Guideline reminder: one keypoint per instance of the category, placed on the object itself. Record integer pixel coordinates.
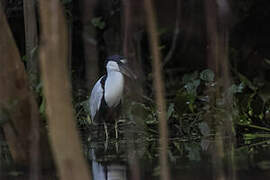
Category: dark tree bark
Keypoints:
(89, 41)
(133, 25)
(22, 131)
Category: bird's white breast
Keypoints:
(114, 86)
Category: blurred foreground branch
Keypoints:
(62, 129)
(217, 13)
(22, 131)
(159, 88)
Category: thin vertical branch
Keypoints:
(159, 87)
(127, 24)
(31, 40)
(223, 17)
(61, 123)
(129, 28)
(89, 41)
(216, 12)
(168, 57)
(212, 36)
(132, 23)
(213, 63)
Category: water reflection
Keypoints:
(196, 162)
(107, 170)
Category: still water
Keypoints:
(195, 162)
(189, 159)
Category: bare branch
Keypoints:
(53, 59)
(175, 34)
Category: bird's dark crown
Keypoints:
(116, 58)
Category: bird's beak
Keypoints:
(126, 71)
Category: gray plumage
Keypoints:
(95, 98)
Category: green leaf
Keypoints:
(204, 128)
(267, 61)
(207, 75)
(33, 51)
(24, 58)
(190, 77)
(191, 87)
(180, 101)
(98, 23)
(151, 121)
(42, 107)
(86, 106)
(264, 92)
(245, 80)
(170, 110)
(237, 88)
(193, 151)
(4, 116)
(264, 165)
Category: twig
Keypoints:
(255, 127)
(175, 35)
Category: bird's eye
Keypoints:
(124, 61)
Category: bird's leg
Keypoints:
(117, 146)
(106, 131)
(106, 136)
(106, 144)
(116, 129)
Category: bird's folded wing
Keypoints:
(95, 98)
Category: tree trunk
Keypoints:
(89, 41)
(133, 24)
(61, 123)
(22, 131)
